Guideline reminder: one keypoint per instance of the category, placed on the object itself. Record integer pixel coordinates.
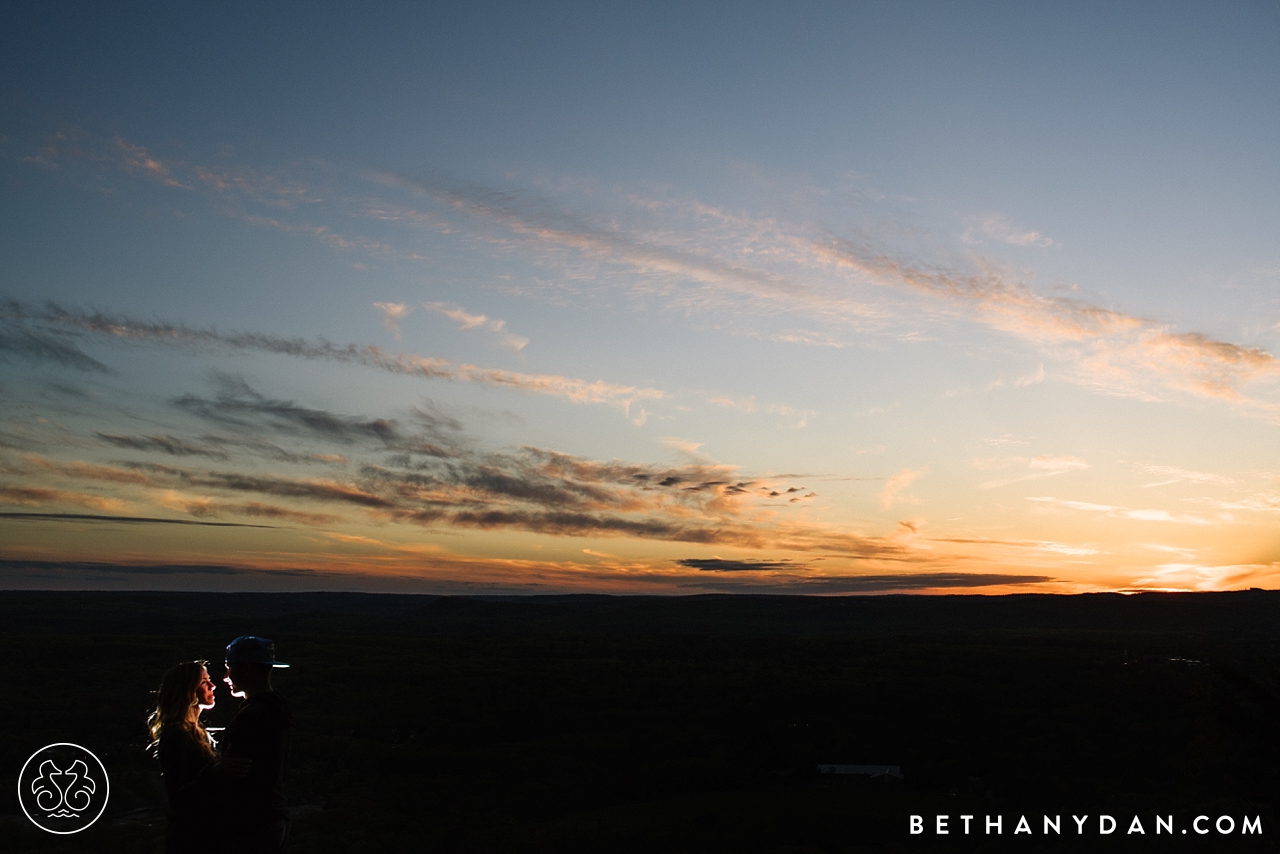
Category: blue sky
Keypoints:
(891, 297)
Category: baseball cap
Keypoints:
(254, 650)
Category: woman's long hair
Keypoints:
(178, 706)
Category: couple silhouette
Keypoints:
(227, 796)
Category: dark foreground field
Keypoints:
(596, 724)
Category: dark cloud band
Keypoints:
(715, 564)
(905, 582)
(32, 346)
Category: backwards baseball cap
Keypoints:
(253, 650)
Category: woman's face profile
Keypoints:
(204, 691)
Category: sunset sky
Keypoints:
(644, 298)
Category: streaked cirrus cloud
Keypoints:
(756, 270)
(368, 355)
(1121, 512)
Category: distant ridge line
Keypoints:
(91, 517)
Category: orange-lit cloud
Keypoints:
(208, 508)
(1180, 362)
(456, 488)
(468, 322)
(33, 496)
(135, 158)
(392, 314)
(1191, 576)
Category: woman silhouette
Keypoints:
(188, 762)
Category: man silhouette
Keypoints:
(255, 818)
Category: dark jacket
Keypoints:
(260, 733)
(192, 789)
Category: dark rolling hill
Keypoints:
(649, 724)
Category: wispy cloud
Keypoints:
(1109, 351)
(1104, 349)
(987, 290)
(1187, 362)
(467, 322)
(998, 228)
(309, 489)
(754, 275)
(542, 224)
(163, 444)
(43, 467)
(324, 234)
(265, 188)
(1170, 475)
(1042, 466)
(392, 314)
(1202, 576)
(685, 447)
(261, 199)
(118, 328)
(798, 417)
(1120, 512)
(36, 346)
(457, 486)
(1038, 376)
(1066, 549)
(896, 485)
(1057, 465)
(407, 364)
(136, 159)
(168, 477)
(239, 405)
(1030, 379)
(39, 496)
(217, 446)
(429, 473)
(208, 508)
(1263, 503)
